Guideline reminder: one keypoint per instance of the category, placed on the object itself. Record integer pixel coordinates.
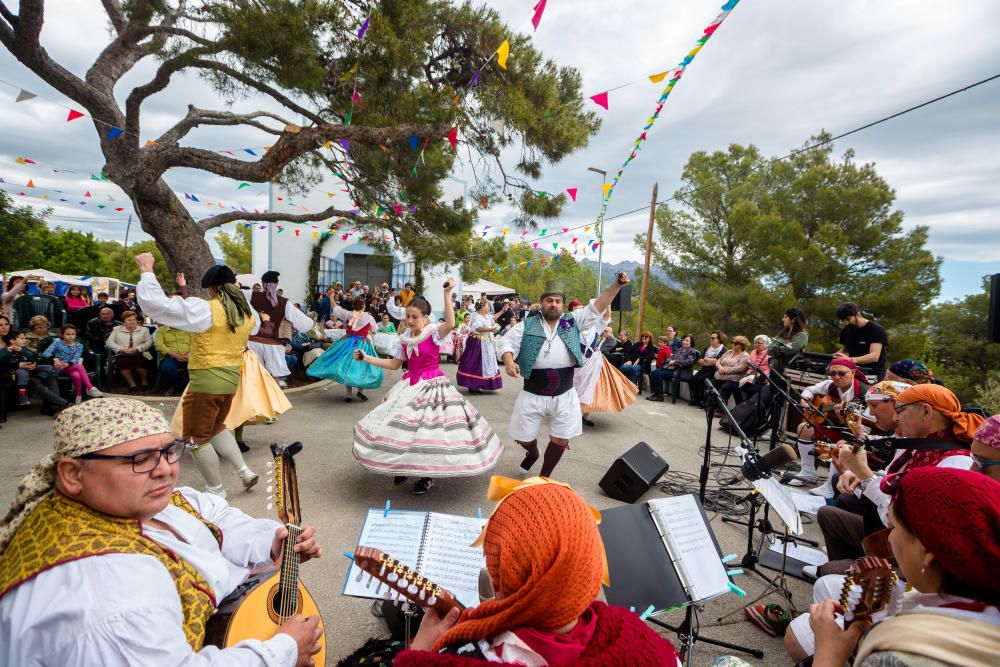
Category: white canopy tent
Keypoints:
(51, 276)
(491, 289)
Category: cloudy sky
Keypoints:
(777, 72)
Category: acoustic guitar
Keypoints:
(269, 597)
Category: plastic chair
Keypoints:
(27, 306)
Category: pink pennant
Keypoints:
(572, 193)
(355, 97)
(534, 245)
(537, 18)
(575, 239)
(453, 137)
(398, 209)
(712, 28)
(73, 115)
(600, 99)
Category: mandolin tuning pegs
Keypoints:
(423, 594)
(381, 572)
(270, 489)
(392, 577)
(431, 601)
(270, 506)
(361, 573)
(406, 607)
(412, 589)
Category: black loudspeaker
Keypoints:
(622, 302)
(993, 328)
(634, 473)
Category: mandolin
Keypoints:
(870, 587)
(403, 580)
(271, 596)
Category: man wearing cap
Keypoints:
(266, 342)
(104, 562)
(545, 349)
(221, 327)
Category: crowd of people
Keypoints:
(906, 460)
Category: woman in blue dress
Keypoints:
(338, 363)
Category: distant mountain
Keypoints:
(628, 267)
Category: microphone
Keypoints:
(756, 467)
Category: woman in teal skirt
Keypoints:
(338, 363)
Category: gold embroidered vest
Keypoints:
(60, 530)
(218, 346)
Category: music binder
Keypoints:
(662, 553)
(434, 544)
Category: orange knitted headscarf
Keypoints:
(964, 424)
(546, 559)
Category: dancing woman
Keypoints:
(425, 427)
(478, 368)
(339, 363)
(601, 386)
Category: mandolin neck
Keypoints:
(289, 573)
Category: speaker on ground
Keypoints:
(633, 473)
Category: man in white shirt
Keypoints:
(546, 348)
(104, 562)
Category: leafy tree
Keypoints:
(237, 248)
(67, 251)
(753, 236)
(417, 58)
(111, 262)
(529, 280)
(20, 224)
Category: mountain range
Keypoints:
(630, 267)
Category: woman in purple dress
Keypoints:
(478, 369)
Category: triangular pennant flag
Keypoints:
(31, 183)
(355, 97)
(555, 246)
(297, 231)
(119, 209)
(115, 132)
(73, 115)
(607, 188)
(24, 96)
(503, 53)
(242, 185)
(601, 99)
(474, 80)
(572, 193)
(453, 137)
(544, 231)
(350, 73)
(250, 151)
(94, 177)
(413, 141)
(347, 116)
(398, 208)
(537, 17)
(656, 78)
(330, 194)
(87, 193)
(150, 142)
(535, 244)
(364, 27)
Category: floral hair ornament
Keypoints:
(502, 487)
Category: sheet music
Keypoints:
(398, 535)
(690, 545)
(449, 560)
(781, 502)
(807, 502)
(798, 552)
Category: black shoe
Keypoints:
(588, 421)
(399, 480)
(528, 461)
(348, 399)
(243, 446)
(362, 397)
(422, 486)
(145, 387)
(655, 397)
(475, 391)
(133, 390)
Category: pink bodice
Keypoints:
(425, 365)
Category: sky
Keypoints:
(776, 73)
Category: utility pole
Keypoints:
(121, 274)
(645, 268)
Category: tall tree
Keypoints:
(753, 236)
(20, 224)
(363, 102)
(68, 251)
(237, 249)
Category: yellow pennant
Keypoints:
(503, 53)
(656, 78)
(350, 73)
(607, 188)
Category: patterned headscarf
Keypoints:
(943, 400)
(886, 390)
(953, 513)
(89, 427)
(988, 432)
(914, 371)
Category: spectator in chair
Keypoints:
(640, 359)
(130, 343)
(100, 327)
(16, 286)
(730, 368)
(66, 354)
(76, 298)
(38, 329)
(608, 342)
(673, 340)
(4, 329)
(760, 367)
(706, 366)
(544, 567)
(676, 365)
(174, 346)
(621, 351)
(791, 340)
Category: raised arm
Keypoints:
(448, 325)
(603, 302)
(194, 314)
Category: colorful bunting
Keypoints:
(242, 185)
(503, 53)
(31, 183)
(73, 115)
(572, 193)
(600, 99)
(453, 137)
(474, 80)
(250, 151)
(657, 78)
(537, 18)
(24, 96)
(350, 73)
(115, 132)
(413, 141)
(364, 27)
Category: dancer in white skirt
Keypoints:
(425, 427)
(478, 368)
(601, 386)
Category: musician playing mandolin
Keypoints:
(104, 562)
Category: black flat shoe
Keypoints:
(243, 446)
(655, 397)
(399, 480)
(588, 421)
(362, 397)
(348, 399)
(422, 486)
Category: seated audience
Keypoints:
(130, 343)
(100, 327)
(673, 340)
(608, 342)
(621, 351)
(545, 564)
(103, 561)
(706, 367)
(16, 286)
(32, 376)
(76, 298)
(174, 347)
(730, 368)
(38, 330)
(66, 353)
(938, 519)
(679, 365)
(911, 371)
(641, 358)
(760, 366)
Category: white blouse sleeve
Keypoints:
(191, 314)
(511, 341)
(246, 541)
(299, 320)
(395, 312)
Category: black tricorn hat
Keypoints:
(270, 277)
(220, 274)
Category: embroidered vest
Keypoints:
(534, 339)
(218, 346)
(60, 530)
(268, 333)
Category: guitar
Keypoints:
(405, 581)
(271, 596)
(869, 588)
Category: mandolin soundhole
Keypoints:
(274, 605)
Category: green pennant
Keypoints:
(555, 246)
(414, 170)
(347, 118)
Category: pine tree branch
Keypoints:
(250, 82)
(332, 212)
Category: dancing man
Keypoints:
(266, 343)
(222, 325)
(545, 349)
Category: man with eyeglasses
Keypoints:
(104, 562)
(861, 340)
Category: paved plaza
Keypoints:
(336, 492)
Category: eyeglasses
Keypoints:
(983, 463)
(902, 407)
(839, 374)
(147, 459)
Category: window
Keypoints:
(330, 272)
(402, 273)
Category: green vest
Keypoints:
(534, 339)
